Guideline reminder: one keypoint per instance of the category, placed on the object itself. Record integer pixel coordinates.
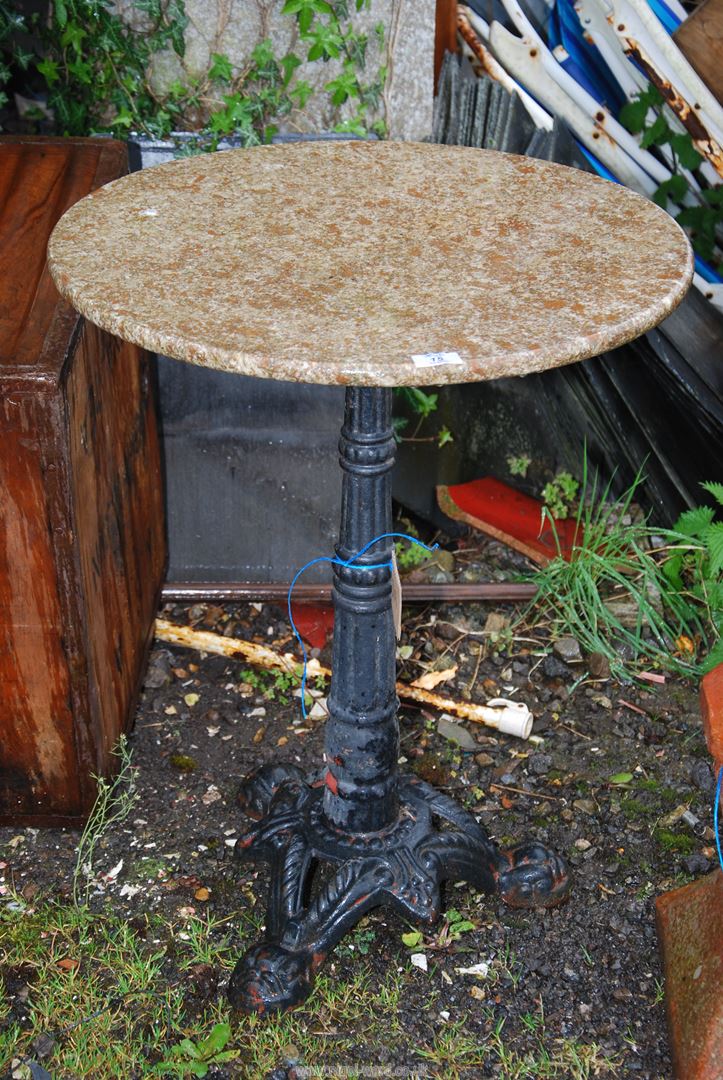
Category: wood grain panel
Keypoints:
(38, 753)
(117, 499)
(82, 545)
(700, 39)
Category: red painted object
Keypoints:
(516, 519)
(315, 623)
(711, 707)
(690, 930)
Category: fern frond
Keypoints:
(714, 657)
(712, 537)
(714, 489)
(694, 522)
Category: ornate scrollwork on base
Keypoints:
(403, 866)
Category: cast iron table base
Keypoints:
(402, 866)
(391, 840)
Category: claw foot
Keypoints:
(530, 875)
(259, 787)
(269, 979)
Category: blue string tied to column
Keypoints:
(343, 562)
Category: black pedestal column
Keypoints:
(379, 838)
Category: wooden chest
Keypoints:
(82, 548)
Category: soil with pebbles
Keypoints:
(593, 964)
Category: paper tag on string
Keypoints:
(396, 597)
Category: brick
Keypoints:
(711, 707)
(690, 932)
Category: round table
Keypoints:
(370, 265)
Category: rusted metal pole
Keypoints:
(412, 593)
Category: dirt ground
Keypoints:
(586, 974)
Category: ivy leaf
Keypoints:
(305, 10)
(124, 119)
(352, 126)
(289, 64)
(221, 69)
(73, 35)
(326, 43)
(422, 403)
(61, 13)
(263, 54)
(344, 86)
(301, 92)
(687, 154)
(656, 134)
(633, 114)
(714, 195)
(49, 70)
(398, 425)
(82, 72)
(714, 489)
(674, 188)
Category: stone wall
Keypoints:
(234, 27)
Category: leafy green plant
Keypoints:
(454, 926)
(190, 1058)
(697, 570)
(274, 685)
(98, 68)
(361, 940)
(328, 30)
(702, 220)
(615, 595)
(408, 555)
(559, 494)
(422, 405)
(113, 803)
(12, 54)
(518, 466)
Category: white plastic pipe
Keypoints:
(677, 9)
(596, 29)
(539, 116)
(712, 292)
(684, 73)
(525, 63)
(509, 717)
(630, 29)
(595, 111)
(631, 80)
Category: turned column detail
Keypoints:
(362, 733)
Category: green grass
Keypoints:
(453, 1054)
(614, 564)
(118, 995)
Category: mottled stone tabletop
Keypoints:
(342, 262)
